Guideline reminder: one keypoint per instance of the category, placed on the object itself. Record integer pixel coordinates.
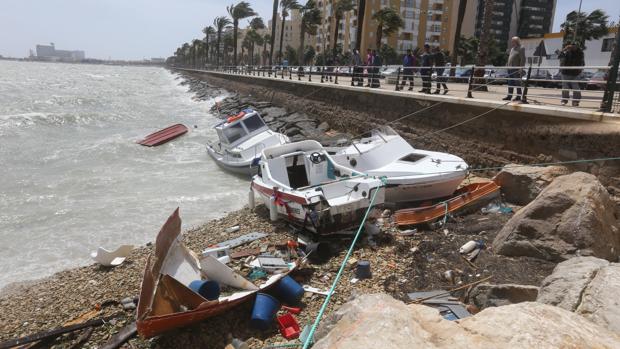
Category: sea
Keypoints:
(73, 178)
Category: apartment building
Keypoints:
(523, 18)
(426, 21)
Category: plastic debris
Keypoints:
(289, 328)
(111, 258)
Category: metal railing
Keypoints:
(587, 88)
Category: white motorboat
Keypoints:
(242, 137)
(411, 174)
(301, 182)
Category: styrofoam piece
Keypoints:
(220, 272)
(111, 258)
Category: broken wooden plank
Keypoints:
(125, 334)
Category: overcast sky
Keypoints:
(136, 29)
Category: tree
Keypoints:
(228, 47)
(253, 39)
(208, 31)
(361, 14)
(581, 27)
(468, 48)
(291, 55)
(459, 25)
(485, 35)
(310, 20)
(388, 22)
(309, 54)
(220, 24)
(272, 37)
(286, 5)
(340, 7)
(239, 11)
(388, 55)
(186, 51)
(266, 39)
(195, 50)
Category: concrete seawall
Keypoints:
(511, 133)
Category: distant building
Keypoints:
(158, 60)
(523, 18)
(50, 53)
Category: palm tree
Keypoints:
(485, 35)
(186, 50)
(285, 5)
(237, 12)
(340, 7)
(253, 39)
(388, 22)
(272, 37)
(361, 12)
(457, 38)
(220, 23)
(266, 39)
(196, 49)
(208, 31)
(228, 46)
(581, 27)
(310, 19)
(257, 23)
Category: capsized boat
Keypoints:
(301, 182)
(242, 137)
(411, 174)
(166, 302)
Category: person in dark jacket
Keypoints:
(356, 62)
(440, 63)
(369, 69)
(376, 62)
(426, 63)
(571, 56)
(409, 62)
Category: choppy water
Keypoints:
(72, 177)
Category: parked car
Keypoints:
(541, 77)
(497, 77)
(462, 74)
(597, 81)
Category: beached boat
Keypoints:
(167, 302)
(301, 182)
(411, 174)
(163, 136)
(242, 137)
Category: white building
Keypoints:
(597, 52)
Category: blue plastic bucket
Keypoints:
(265, 309)
(288, 291)
(210, 290)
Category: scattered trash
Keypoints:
(308, 288)
(208, 289)
(245, 253)
(289, 291)
(471, 249)
(448, 308)
(496, 207)
(386, 213)
(218, 252)
(111, 258)
(272, 263)
(449, 276)
(363, 270)
(292, 310)
(354, 280)
(407, 232)
(289, 328)
(233, 229)
(264, 311)
(468, 247)
(125, 334)
(128, 303)
(241, 240)
(257, 273)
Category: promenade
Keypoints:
(541, 101)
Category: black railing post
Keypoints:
(398, 79)
(471, 81)
(527, 82)
(612, 78)
(310, 74)
(353, 76)
(282, 72)
(290, 73)
(336, 78)
(322, 73)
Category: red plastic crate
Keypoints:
(289, 328)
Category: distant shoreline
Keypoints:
(89, 62)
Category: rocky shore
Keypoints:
(552, 216)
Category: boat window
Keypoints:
(234, 132)
(413, 157)
(253, 123)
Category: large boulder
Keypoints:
(380, 321)
(522, 184)
(587, 286)
(489, 295)
(573, 216)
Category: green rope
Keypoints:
(308, 341)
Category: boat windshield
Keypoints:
(234, 132)
(253, 123)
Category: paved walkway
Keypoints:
(544, 101)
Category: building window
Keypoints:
(608, 44)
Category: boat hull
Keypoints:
(240, 167)
(416, 190)
(164, 136)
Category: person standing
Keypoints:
(426, 63)
(409, 62)
(356, 62)
(440, 62)
(369, 66)
(516, 62)
(376, 62)
(571, 56)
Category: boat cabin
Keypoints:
(301, 164)
(240, 127)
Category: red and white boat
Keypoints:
(301, 182)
